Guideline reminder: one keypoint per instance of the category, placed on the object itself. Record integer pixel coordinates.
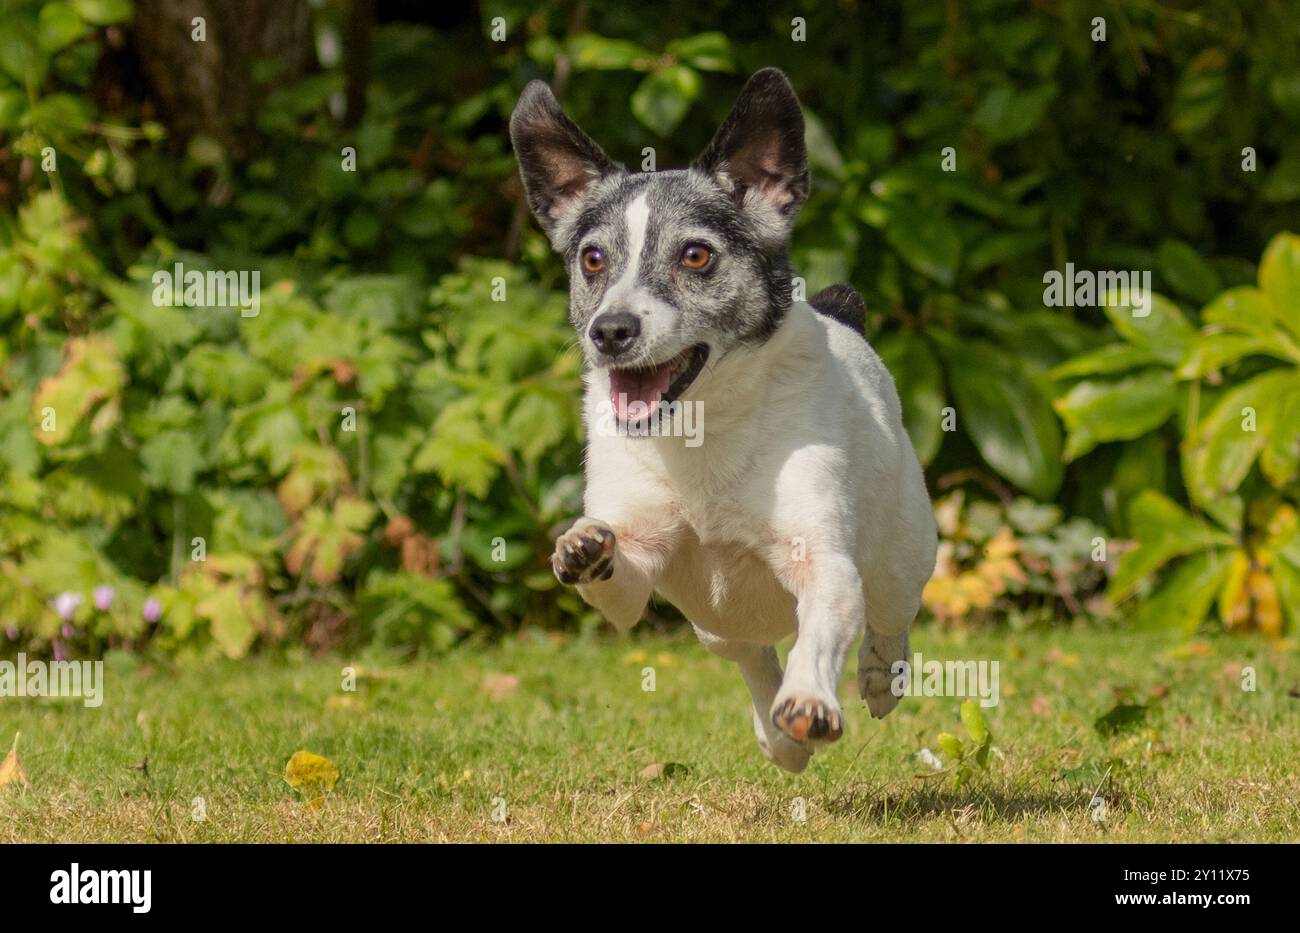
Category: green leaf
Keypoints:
(951, 746)
(1279, 278)
(1186, 272)
(58, 26)
(1279, 461)
(926, 240)
(103, 12)
(1165, 531)
(1246, 310)
(919, 380)
(973, 722)
(1096, 412)
(171, 460)
(590, 52)
(20, 58)
(1183, 600)
(707, 51)
(1164, 332)
(1221, 449)
(1200, 94)
(227, 611)
(824, 158)
(459, 451)
(1212, 350)
(1112, 358)
(662, 99)
(1006, 113)
(1006, 414)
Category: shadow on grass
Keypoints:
(929, 801)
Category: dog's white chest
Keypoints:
(729, 589)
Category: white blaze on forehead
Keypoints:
(637, 220)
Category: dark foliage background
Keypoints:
(383, 453)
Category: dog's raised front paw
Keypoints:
(806, 718)
(584, 553)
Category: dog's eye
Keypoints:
(593, 259)
(696, 256)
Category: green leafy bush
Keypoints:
(1232, 388)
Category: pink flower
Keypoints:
(58, 650)
(68, 630)
(152, 610)
(102, 597)
(65, 604)
(12, 632)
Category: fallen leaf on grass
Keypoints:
(1193, 649)
(314, 775)
(661, 770)
(1063, 658)
(11, 769)
(345, 701)
(500, 686)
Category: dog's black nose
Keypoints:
(614, 332)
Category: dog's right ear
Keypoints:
(557, 161)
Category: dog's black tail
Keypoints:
(844, 304)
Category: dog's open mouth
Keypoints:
(635, 392)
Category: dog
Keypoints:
(804, 509)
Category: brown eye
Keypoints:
(696, 257)
(593, 259)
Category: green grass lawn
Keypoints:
(561, 731)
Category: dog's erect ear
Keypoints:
(557, 161)
(759, 152)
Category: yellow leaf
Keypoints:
(1268, 609)
(1234, 603)
(312, 774)
(11, 769)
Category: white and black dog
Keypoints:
(804, 510)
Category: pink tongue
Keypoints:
(629, 387)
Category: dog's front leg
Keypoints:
(830, 613)
(761, 669)
(614, 566)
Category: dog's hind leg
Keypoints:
(762, 672)
(884, 644)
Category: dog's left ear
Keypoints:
(758, 154)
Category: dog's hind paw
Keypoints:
(808, 719)
(875, 686)
(584, 553)
(876, 675)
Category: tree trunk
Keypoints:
(206, 85)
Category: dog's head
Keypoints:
(668, 269)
